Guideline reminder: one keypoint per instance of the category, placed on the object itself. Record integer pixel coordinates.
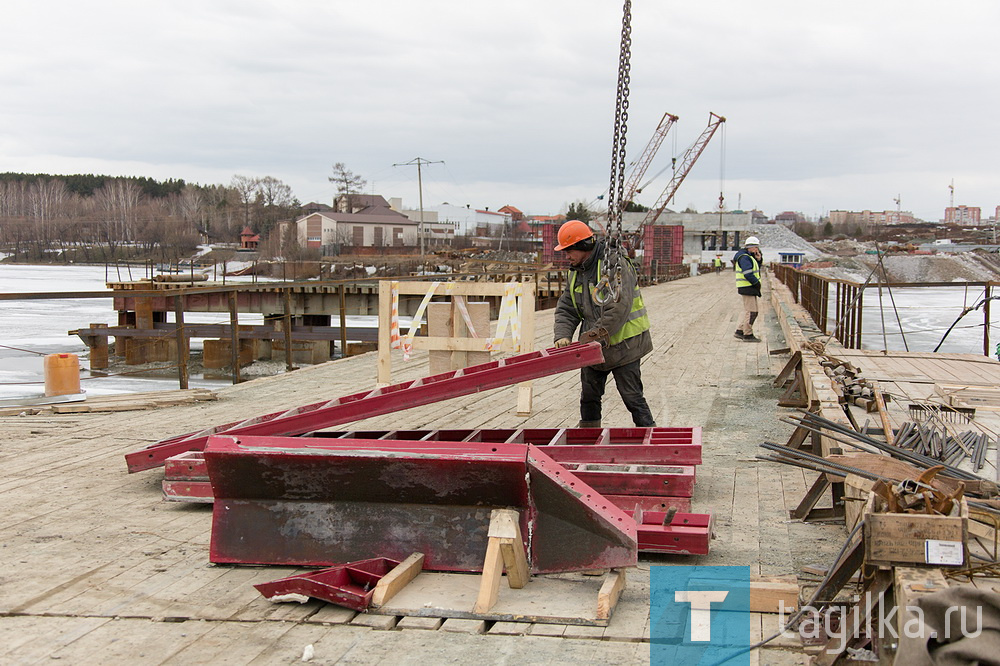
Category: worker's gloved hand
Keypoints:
(563, 342)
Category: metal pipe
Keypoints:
(914, 458)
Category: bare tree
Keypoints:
(247, 190)
(46, 197)
(347, 183)
(117, 201)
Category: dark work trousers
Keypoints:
(629, 383)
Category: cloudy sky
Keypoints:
(830, 105)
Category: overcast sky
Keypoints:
(839, 105)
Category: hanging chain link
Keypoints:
(609, 286)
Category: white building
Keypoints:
(364, 222)
(470, 221)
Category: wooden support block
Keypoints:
(767, 594)
(504, 526)
(612, 588)
(911, 583)
(457, 625)
(396, 580)
(504, 548)
(856, 489)
(578, 631)
(773, 595)
(552, 630)
(381, 622)
(331, 614)
(510, 629)
(489, 586)
(421, 623)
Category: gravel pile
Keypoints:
(775, 236)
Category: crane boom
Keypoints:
(641, 164)
(683, 168)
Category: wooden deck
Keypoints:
(97, 569)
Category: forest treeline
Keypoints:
(97, 218)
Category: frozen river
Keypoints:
(31, 329)
(924, 315)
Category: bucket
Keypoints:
(62, 374)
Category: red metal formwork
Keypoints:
(660, 503)
(350, 585)
(651, 446)
(677, 481)
(314, 501)
(684, 534)
(384, 400)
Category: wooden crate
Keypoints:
(913, 539)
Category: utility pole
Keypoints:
(419, 162)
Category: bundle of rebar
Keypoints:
(846, 435)
(934, 443)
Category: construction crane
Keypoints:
(641, 164)
(680, 173)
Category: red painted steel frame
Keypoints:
(396, 397)
(687, 533)
(351, 585)
(188, 491)
(313, 501)
(636, 479)
(650, 446)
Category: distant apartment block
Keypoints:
(871, 218)
(965, 216)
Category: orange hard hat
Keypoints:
(572, 232)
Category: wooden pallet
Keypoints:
(573, 599)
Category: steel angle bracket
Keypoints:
(573, 523)
(350, 585)
(383, 400)
(294, 501)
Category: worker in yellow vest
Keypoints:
(717, 264)
(625, 321)
(747, 263)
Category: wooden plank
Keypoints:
(229, 642)
(910, 584)
(489, 588)
(611, 589)
(131, 641)
(397, 579)
(552, 599)
(27, 639)
(505, 527)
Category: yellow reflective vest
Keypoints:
(741, 276)
(635, 324)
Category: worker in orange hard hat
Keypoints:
(622, 325)
(573, 232)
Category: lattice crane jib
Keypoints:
(684, 166)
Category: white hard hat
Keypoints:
(752, 240)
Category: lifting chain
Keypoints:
(609, 285)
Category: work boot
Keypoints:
(588, 424)
(738, 334)
(751, 338)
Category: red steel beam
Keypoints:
(383, 400)
(637, 479)
(660, 503)
(278, 501)
(687, 533)
(651, 446)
